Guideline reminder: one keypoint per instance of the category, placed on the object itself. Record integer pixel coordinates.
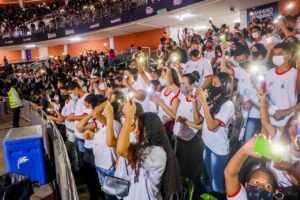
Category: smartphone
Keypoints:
(268, 150)
(223, 38)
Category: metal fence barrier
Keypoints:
(54, 147)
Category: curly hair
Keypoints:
(152, 133)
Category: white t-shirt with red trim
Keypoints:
(89, 144)
(105, 156)
(209, 55)
(167, 98)
(79, 110)
(241, 194)
(140, 84)
(281, 86)
(68, 110)
(248, 89)
(217, 140)
(185, 109)
(202, 66)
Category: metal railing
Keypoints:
(55, 149)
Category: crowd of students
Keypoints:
(219, 109)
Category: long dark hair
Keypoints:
(152, 133)
(227, 87)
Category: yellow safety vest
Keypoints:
(12, 101)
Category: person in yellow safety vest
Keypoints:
(15, 102)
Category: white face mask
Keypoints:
(278, 60)
(81, 83)
(255, 35)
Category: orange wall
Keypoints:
(98, 45)
(282, 4)
(145, 39)
(10, 55)
(56, 50)
(35, 54)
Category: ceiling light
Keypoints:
(183, 16)
(237, 20)
(74, 39)
(30, 46)
(289, 6)
(201, 27)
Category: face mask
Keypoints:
(73, 97)
(255, 35)
(195, 53)
(56, 98)
(81, 84)
(255, 54)
(290, 28)
(184, 90)
(214, 91)
(256, 193)
(132, 138)
(163, 82)
(278, 60)
(219, 54)
(235, 40)
(244, 64)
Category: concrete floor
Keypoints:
(40, 192)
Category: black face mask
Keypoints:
(214, 91)
(256, 193)
(235, 40)
(290, 28)
(255, 54)
(133, 71)
(244, 64)
(195, 53)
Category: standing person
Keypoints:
(15, 102)
(199, 64)
(111, 57)
(216, 114)
(5, 61)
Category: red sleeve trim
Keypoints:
(95, 123)
(208, 76)
(233, 73)
(84, 114)
(175, 97)
(201, 115)
(167, 94)
(220, 121)
(235, 194)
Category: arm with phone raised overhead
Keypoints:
(264, 115)
(123, 142)
(223, 66)
(233, 167)
(111, 140)
(142, 73)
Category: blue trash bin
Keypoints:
(24, 152)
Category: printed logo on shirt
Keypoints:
(282, 86)
(271, 83)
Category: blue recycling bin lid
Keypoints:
(21, 133)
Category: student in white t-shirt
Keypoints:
(155, 164)
(261, 182)
(137, 86)
(168, 101)
(285, 171)
(87, 126)
(216, 114)
(199, 64)
(281, 82)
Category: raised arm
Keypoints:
(223, 66)
(98, 113)
(124, 137)
(84, 123)
(264, 115)
(111, 140)
(142, 73)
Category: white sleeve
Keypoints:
(241, 194)
(207, 70)
(225, 114)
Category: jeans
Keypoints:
(214, 166)
(253, 126)
(101, 174)
(80, 145)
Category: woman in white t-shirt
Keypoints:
(261, 183)
(216, 114)
(287, 178)
(153, 161)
